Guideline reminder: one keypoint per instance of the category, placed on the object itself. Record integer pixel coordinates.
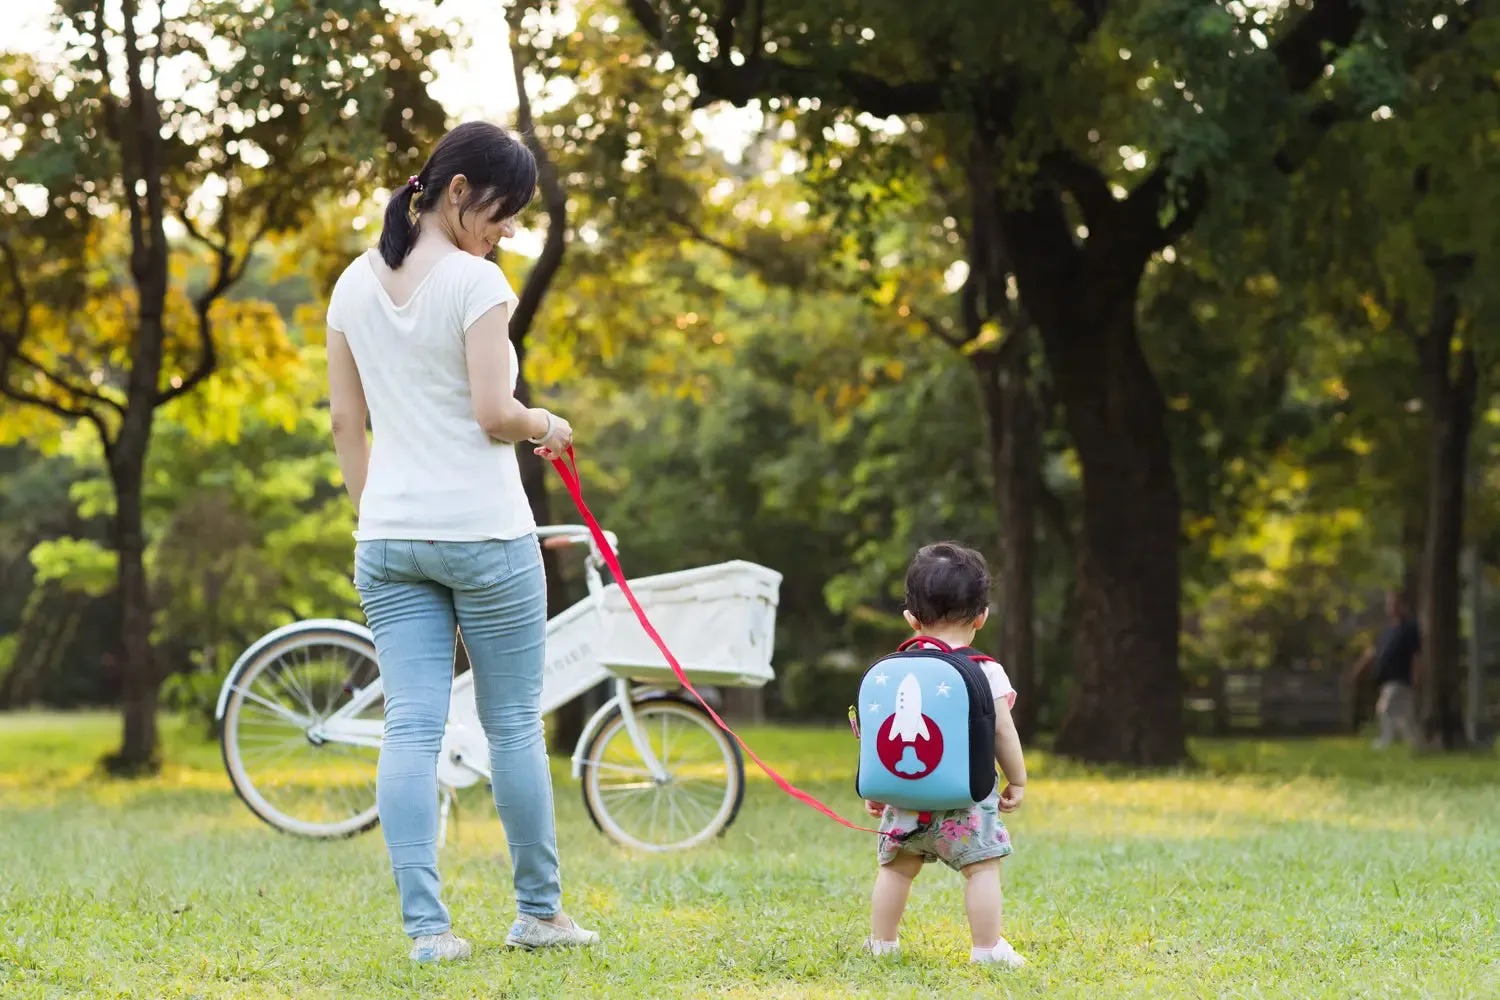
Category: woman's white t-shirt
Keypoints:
(434, 475)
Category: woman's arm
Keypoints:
(347, 406)
(1008, 755)
(499, 413)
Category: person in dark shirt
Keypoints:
(1396, 657)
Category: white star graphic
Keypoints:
(943, 689)
(874, 707)
(881, 678)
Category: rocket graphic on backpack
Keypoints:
(926, 726)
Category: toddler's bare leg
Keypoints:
(892, 886)
(982, 901)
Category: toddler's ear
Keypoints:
(911, 620)
(984, 616)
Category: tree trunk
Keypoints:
(746, 705)
(141, 681)
(1015, 453)
(140, 678)
(1413, 547)
(1450, 399)
(1081, 294)
(1127, 693)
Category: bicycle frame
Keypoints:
(346, 726)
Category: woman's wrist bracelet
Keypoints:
(551, 423)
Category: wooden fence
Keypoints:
(1283, 702)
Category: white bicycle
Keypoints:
(302, 710)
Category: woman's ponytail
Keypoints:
(400, 229)
(499, 170)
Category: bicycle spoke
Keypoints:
(288, 679)
(666, 742)
(619, 768)
(278, 710)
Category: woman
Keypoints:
(418, 339)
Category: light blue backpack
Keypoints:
(926, 726)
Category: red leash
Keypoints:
(569, 472)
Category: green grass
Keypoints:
(1272, 870)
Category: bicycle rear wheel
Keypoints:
(288, 775)
(703, 791)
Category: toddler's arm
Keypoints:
(1008, 755)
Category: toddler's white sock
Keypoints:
(878, 948)
(981, 954)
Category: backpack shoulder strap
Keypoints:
(975, 655)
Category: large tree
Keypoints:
(219, 123)
(1106, 128)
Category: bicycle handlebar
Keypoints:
(557, 536)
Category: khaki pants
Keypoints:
(1397, 712)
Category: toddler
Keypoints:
(947, 598)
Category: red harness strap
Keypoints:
(569, 472)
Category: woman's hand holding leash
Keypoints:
(555, 440)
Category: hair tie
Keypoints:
(414, 183)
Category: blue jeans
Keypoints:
(415, 595)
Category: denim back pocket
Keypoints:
(476, 565)
(369, 563)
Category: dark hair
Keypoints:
(947, 583)
(499, 168)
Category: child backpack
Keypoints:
(926, 727)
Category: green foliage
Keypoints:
(78, 564)
(766, 355)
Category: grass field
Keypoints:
(1270, 870)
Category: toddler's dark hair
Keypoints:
(947, 583)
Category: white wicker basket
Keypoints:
(719, 621)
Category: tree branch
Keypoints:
(150, 278)
(764, 76)
(1302, 53)
(724, 27)
(556, 199)
(651, 20)
(1324, 115)
(1052, 261)
(1304, 50)
(936, 328)
(1084, 181)
(229, 272)
(757, 33)
(62, 410)
(729, 250)
(12, 348)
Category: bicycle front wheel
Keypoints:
(287, 773)
(702, 791)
